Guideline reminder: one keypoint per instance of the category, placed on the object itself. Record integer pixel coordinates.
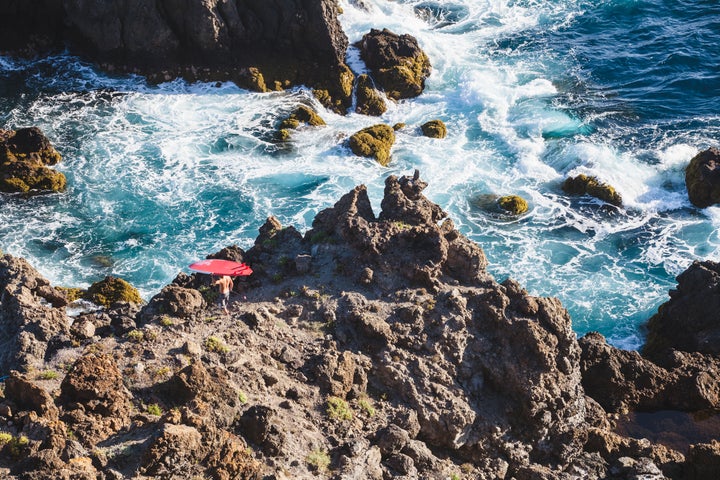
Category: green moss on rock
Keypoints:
(590, 185)
(111, 290)
(374, 142)
(434, 129)
(369, 99)
(513, 204)
(301, 115)
(71, 293)
(24, 156)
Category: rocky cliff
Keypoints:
(373, 346)
(271, 44)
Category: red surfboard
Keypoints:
(221, 267)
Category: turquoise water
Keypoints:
(532, 91)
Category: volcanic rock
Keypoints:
(369, 100)
(689, 320)
(373, 142)
(398, 64)
(271, 45)
(434, 129)
(702, 178)
(24, 158)
(589, 185)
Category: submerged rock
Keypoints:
(25, 155)
(702, 178)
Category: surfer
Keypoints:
(225, 284)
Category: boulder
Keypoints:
(94, 398)
(111, 290)
(398, 64)
(589, 185)
(31, 328)
(374, 142)
(25, 155)
(688, 321)
(702, 178)
(703, 461)
(174, 301)
(369, 100)
(622, 381)
(301, 115)
(434, 129)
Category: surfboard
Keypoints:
(215, 266)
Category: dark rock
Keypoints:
(391, 439)
(176, 452)
(24, 158)
(260, 45)
(703, 461)
(173, 301)
(689, 320)
(26, 395)
(398, 64)
(28, 326)
(702, 178)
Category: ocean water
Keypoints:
(531, 91)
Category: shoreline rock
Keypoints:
(372, 346)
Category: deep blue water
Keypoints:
(532, 91)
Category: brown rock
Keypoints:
(702, 178)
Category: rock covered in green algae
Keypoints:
(374, 142)
(111, 290)
(590, 185)
(25, 155)
(369, 100)
(397, 63)
(434, 129)
(513, 204)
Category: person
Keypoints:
(225, 284)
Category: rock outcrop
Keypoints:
(702, 178)
(688, 321)
(589, 185)
(32, 317)
(25, 155)
(369, 100)
(513, 204)
(260, 45)
(372, 346)
(397, 63)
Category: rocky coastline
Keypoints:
(369, 347)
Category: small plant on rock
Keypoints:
(136, 336)
(367, 407)
(17, 445)
(242, 397)
(154, 409)
(5, 438)
(318, 459)
(47, 375)
(338, 409)
(166, 321)
(214, 344)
